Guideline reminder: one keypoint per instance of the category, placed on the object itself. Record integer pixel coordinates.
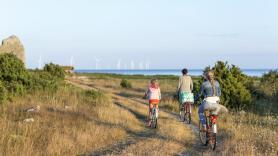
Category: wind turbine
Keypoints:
(119, 64)
(147, 65)
(132, 65)
(71, 61)
(97, 62)
(141, 66)
(40, 62)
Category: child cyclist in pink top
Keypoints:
(154, 96)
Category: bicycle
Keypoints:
(186, 112)
(154, 117)
(208, 135)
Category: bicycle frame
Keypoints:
(211, 122)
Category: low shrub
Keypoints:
(126, 84)
(55, 70)
(97, 98)
(43, 80)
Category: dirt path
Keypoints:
(168, 139)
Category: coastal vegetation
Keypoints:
(104, 114)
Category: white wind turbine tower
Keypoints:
(141, 66)
(40, 62)
(71, 61)
(119, 64)
(132, 65)
(97, 63)
(125, 65)
(147, 65)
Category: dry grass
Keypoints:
(154, 147)
(79, 129)
(90, 125)
(172, 136)
(250, 134)
(243, 134)
(71, 123)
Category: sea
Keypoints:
(193, 72)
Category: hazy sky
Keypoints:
(165, 33)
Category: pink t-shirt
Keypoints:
(153, 93)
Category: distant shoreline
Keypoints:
(176, 72)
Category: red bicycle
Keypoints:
(208, 134)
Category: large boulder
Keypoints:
(13, 45)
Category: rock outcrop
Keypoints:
(13, 45)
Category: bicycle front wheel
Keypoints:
(202, 134)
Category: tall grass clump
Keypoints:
(96, 97)
(125, 84)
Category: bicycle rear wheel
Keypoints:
(188, 117)
(188, 113)
(202, 134)
(154, 119)
(182, 114)
(212, 141)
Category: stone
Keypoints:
(14, 46)
(33, 109)
(29, 120)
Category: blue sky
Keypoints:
(161, 33)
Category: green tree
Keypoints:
(13, 74)
(12, 69)
(233, 85)
(269, 85)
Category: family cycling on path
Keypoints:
(208, 110)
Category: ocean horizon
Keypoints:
(193, 72)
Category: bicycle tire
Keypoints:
(155, 123)
(212, 141)
(188, 113)
(189, 118)
(202, 134)
(182, 114)
(154, 119)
